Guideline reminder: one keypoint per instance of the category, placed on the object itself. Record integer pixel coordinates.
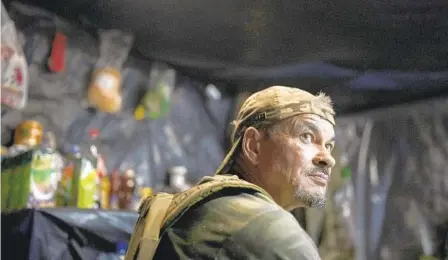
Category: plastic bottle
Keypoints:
(45, 174)
(105, 187)
(114, 188)
(176, 180)
(49, 146)
(126, 189)
(72, 163)
(94, 152)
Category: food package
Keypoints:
(30, 179)
(15, 178)
(14, 68)
(156, 101)
(104, 92)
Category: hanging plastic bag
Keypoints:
(104, 91)
(156, 101)
(14, 68)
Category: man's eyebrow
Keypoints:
(307, 124)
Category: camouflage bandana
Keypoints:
(269, 106)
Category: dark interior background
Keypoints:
(366, 54)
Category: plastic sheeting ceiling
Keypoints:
(365, 53)
(398, 157)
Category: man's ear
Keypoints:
(251, 144)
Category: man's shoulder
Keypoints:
(230, 210)
(271, 234)
(251, 211)
(242, 223)
(239, 201)
(231, 198)
(243, 206)
(243, 210)
(257, 226)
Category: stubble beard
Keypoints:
(310, 199)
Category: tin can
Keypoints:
(28, 133)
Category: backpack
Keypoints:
(161, 210)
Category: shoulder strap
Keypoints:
(146, 234)
(159, 212)
(208, 186)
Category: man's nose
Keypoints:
(324, 160)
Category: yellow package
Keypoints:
(84, 188)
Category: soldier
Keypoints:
(280, 160)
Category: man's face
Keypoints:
(295, 167)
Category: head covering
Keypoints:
(269, 106)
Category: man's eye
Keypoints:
(306, 138)
(329, 147)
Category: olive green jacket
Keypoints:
(236, 224)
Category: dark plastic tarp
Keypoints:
(54, 234)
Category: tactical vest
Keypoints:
(160, 211)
